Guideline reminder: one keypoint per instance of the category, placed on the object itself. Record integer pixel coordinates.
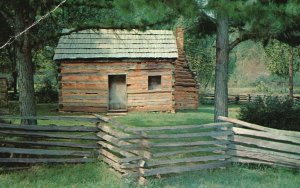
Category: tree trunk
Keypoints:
(221, 70)
(24, 68)
(291, 74)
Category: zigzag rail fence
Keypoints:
(154, 151)
(140, 152)
(239, 98)
(67, 142)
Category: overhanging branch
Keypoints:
(238, 41)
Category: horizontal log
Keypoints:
(176, 136)
(267, 144)
(47, 135)
(251, 161)
(179, 169)
(46, 160)
(180, 144)
(182, 127)
(249, 132)
(185, 84)
(147, 144)
(49, 128)
(46, 152)
(83, 109)
(191, 150)
(275, 132)
(98, 96)
(62, 118)
(264, 157)
(186, 160)
(50, 143)
(84, 104)
(263, 151)
(149, 92)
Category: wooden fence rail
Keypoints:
(149, 151)
(239, 98)
(153, 151)
(253, 143)
(26, 144)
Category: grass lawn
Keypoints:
(99, 175)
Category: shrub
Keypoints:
(47, 93)
(273, 112)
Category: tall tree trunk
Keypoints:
(291, 74)
(221, 70)
(24, 68)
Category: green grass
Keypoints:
(185, 117)
(98, 174)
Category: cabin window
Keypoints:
(154, 82)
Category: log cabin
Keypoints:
(118, 71)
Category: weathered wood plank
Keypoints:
(192, 150)
(115, 149)
(261, 128)
(63, 118)
(248, 161)
(49, 128)
(249, 132)
(186, 160)
(124, 145)
(83, 109)
(50, 143)
(109, 155)
(264, 157)
(203, 126)
(46, 152)
(114, 132)
(180, 169)
(114, 165)
(176, 136)
(267, 144)
(113, 140)
(47, 135)
(147, 144)
(263, 151)
(46, 160)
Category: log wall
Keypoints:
(84, 85)
(186, 86)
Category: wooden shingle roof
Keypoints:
(108, 43)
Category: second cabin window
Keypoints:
(154, 82)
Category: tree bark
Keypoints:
(291, 74)
(221, 70)
(24, 68)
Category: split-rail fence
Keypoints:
(239, 98)
(67, 142)
(154, 151)
(141, 152)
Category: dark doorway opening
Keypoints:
(117, 93)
